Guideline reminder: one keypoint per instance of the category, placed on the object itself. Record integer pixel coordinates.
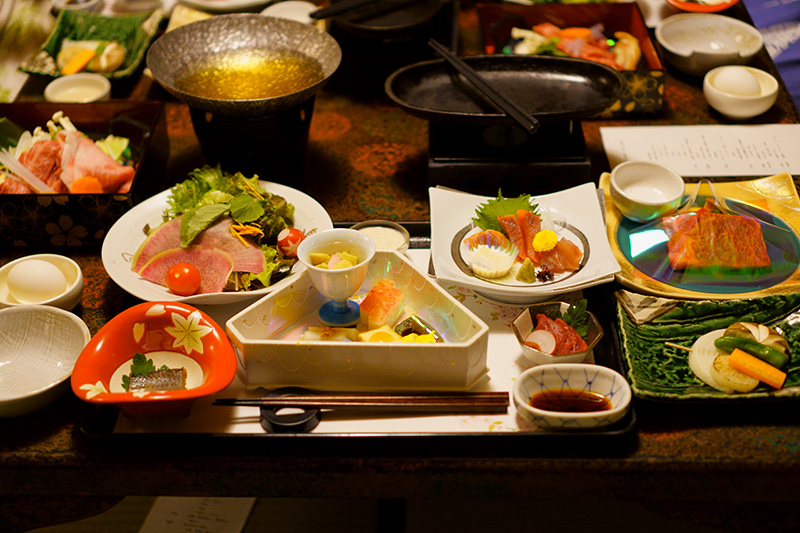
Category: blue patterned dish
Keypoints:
(576, 376)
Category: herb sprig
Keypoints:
(486, 214)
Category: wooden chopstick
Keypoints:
(478, 402)
(338, 8)
(523, 117)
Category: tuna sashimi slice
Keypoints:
(246, 258)
(567, 339)
(214, 265)
(511, 227)
(570, 341)
(81, 157)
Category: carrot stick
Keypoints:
(756, 368)
(576, 33)
(79, 62)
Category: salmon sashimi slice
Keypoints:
(81, 157)
(514, 232)
(488, 237)
(531, 224)
(582, 49)
(43, 159)
(547, 29)
(564, 257)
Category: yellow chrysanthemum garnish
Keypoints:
(545, 240)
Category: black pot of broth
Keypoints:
(250, 82)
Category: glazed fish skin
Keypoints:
(160, 380)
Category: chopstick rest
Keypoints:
(275, 422)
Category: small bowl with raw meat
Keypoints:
(572, 396)
(644, 191)
(557, 332)
(155, 359)
(102, 150)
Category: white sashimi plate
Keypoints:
(576, 214)
(127, 234)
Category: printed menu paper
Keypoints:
(706, 151)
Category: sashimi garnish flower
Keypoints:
(188, 332)
(545, 240)
(93, 390)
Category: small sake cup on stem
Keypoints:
(338, 284)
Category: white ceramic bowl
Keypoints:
(737, 106)
(81, 88)
(88, 6)
(292, 10)
(337, 284)
(526, 321)
(73, 275)
(698, 42)
(386, 234)
(580, 376)
(644, 191)
(35, 368)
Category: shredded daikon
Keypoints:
(19, 171)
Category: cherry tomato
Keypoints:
(183, 279)
(288, 240)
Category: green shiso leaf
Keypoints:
(194, 222)
(245, 209)
(486, 214)
(576, 316)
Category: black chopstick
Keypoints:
(477, 402)
(338, 8)
(523, 117)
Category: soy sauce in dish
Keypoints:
(570, 401)
(250, 74)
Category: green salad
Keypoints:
(257, 217)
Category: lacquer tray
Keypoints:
(659, 371)
(773, 199)
(505, 363)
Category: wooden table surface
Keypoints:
(367, 159)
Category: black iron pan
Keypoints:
(550, 88)
(389, 19)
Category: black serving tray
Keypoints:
(614, 440)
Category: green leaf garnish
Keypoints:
(487, 213)
(140, 366)
(576, 316)
(194, 222)
(246, 209)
